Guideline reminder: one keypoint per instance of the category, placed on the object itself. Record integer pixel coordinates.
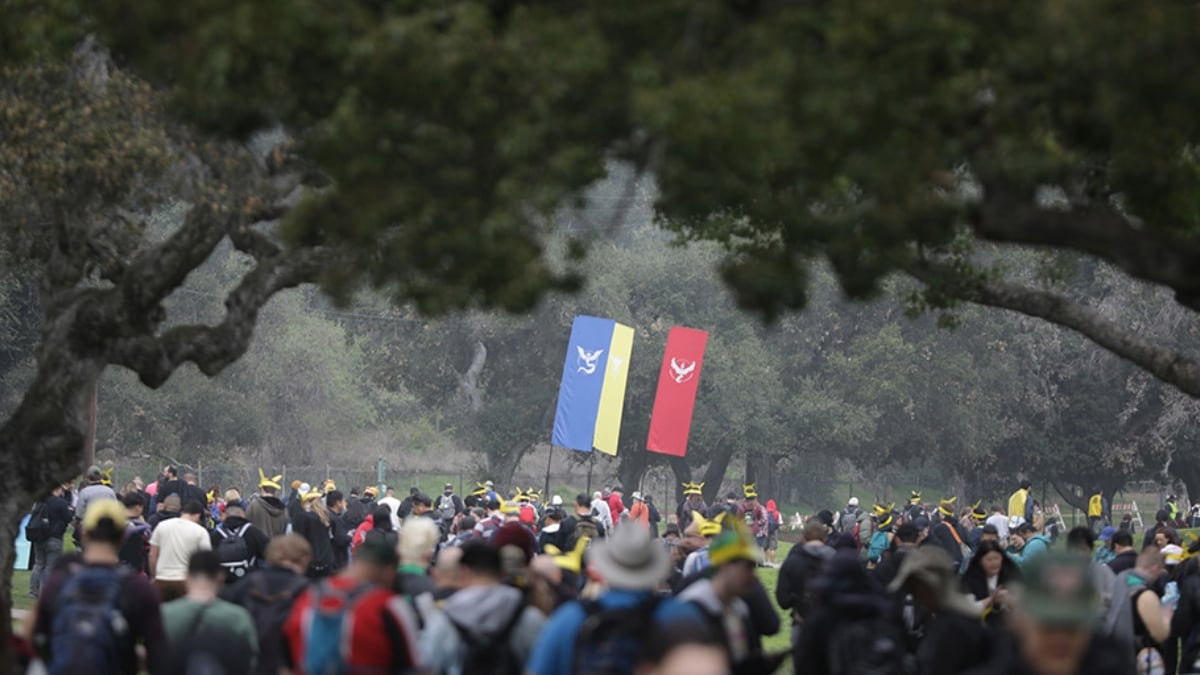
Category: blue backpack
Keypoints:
(879, 543)
(609, 639)
(328, 625)
(89, 631)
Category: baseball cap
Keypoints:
(1058, 590)
(423, 499)
(105, 509)
(1107, 533)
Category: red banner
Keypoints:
(678, 380)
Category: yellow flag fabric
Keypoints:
(612, 395)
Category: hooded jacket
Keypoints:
(268, 514)
(800, 569)
(483, 612)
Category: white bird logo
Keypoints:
(684, 370)
(587, 360)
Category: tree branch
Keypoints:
(212, 348)
(1143, 253)
(1163, 362)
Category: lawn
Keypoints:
(781, 641)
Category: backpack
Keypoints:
(880, 541)
(328, 626)
(89, 630)
(493, 654)
(446, 510)
(773, 522)
(849, 520)
(585, 528)
(37, 529)
(269, 612)
(609, 638)
(870, 646)
(233, 551)
(198, 653)
(805, 598)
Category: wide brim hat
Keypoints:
(628, 559)
(934, 568)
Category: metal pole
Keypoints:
(89, 442)
(549, 457)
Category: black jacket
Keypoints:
(800, 569)
(1123, 562)
(309, 526)
(340, 541)
(942, 535)
(60, 515)
(355, 513)
(267, 595)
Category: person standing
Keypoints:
(999, 521)
(389, 500)
(135, 549)
(205, 631)
(70, 627)
(55, 515)
(449, 507)
(1020, 505)
(238, 543)
(639, 513)
(1096, 510)
(341, 535)
(655, 515)
(693, 503)
(266, 510)
(754, 515)
(171, 547)
(314, 524)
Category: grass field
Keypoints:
(781, 641)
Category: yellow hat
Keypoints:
(480, 490)
(914, 497)
(509, 508)
(571, 561)
(370, 491)
(946, 506)
(520, 496)
(709, 528)
(314, 493)
(977, 511)
(328, 486)
(106, 476)
(693, 488)
(885, 521)
(272, 482)
(734, 543)
(213, 496)
(102, 509)
(750, 490)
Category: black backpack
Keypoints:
(870, 646)
(491, 655)
(270, 610)
(609, 639)
(233, 552)
(37, 529)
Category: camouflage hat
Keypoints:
(1058, 590)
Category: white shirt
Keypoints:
(1000, 522)
(393, 504)
(604, 513)
(177, 539)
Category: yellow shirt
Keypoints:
(1095, 506)
(1016, 504)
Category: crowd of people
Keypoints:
(171, 578)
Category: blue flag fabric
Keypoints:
(582, 383)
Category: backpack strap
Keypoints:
(953, 532)
(242, 530)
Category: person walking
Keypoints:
(638, 512)
(353, 622)
(266, 510)
(449, 506)
(606, 634)
(1020, 505)
(135, 549)
(268, 596)
(316, 526)
(50, 518)
(485, 625)
(238, 543)
(171, 547)
(98, 607)
(205, 631)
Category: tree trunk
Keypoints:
(715, 474)
(683, 474)
(11, 512)
(634, 462)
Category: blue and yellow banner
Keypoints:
(591, 397)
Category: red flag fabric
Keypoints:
(671, 421)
